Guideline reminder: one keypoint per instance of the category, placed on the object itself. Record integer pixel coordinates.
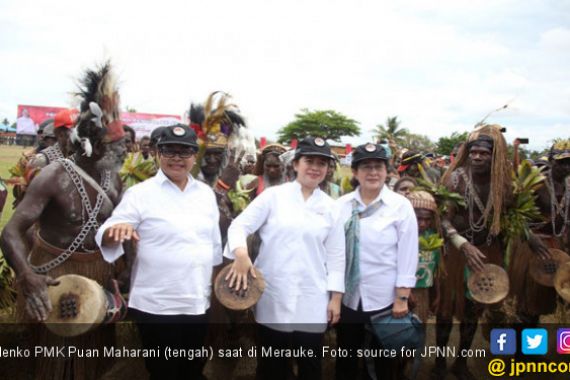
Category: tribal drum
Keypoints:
(543, 271)
(240, 300)
(80, 304)
(489, 286)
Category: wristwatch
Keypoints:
(403, 298)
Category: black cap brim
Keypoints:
(161, 143)
(369, 158)
(299, 155)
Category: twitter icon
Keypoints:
(534, 341)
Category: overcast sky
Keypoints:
(440, 67)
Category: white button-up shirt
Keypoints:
(301, 255)
(26, 126)
(179, 243)
(388, 249)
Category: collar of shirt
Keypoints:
(161, 178)
(385, 196)
(315, 195)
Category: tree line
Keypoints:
(332, 125)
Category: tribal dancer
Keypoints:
(481, 174)
(558, 187)
(67, 201)
(553, 200)
(217, 124)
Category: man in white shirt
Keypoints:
(382, 255)
(26, 129)
(175, 220)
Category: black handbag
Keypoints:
(397, 333)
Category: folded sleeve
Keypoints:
(127, 211)
(249, 221)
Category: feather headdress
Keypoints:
(216, 120)
(560, 149)
(99, 117)
(243, 141)
(214, 123)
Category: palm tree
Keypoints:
(390, 131)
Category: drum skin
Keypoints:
(234, 301)
(490, 285)
(543, 271)
(90, 300)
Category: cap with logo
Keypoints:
(178, 134)
(369, 151)
(313, 146)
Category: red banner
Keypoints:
(142, 123)
(38, 114)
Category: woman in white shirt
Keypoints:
(174, 218)
(382, 256)
(301, 258)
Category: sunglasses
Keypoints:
(184, 153)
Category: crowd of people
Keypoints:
(161, 214)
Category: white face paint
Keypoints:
(113, 156)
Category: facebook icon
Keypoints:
(503, 341)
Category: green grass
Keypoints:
(9, 155)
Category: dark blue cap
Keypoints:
(178, 134)
(313, 146)
(369, 151)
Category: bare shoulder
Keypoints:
(50, 178)
(51, 183)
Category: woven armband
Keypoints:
(457, 240)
